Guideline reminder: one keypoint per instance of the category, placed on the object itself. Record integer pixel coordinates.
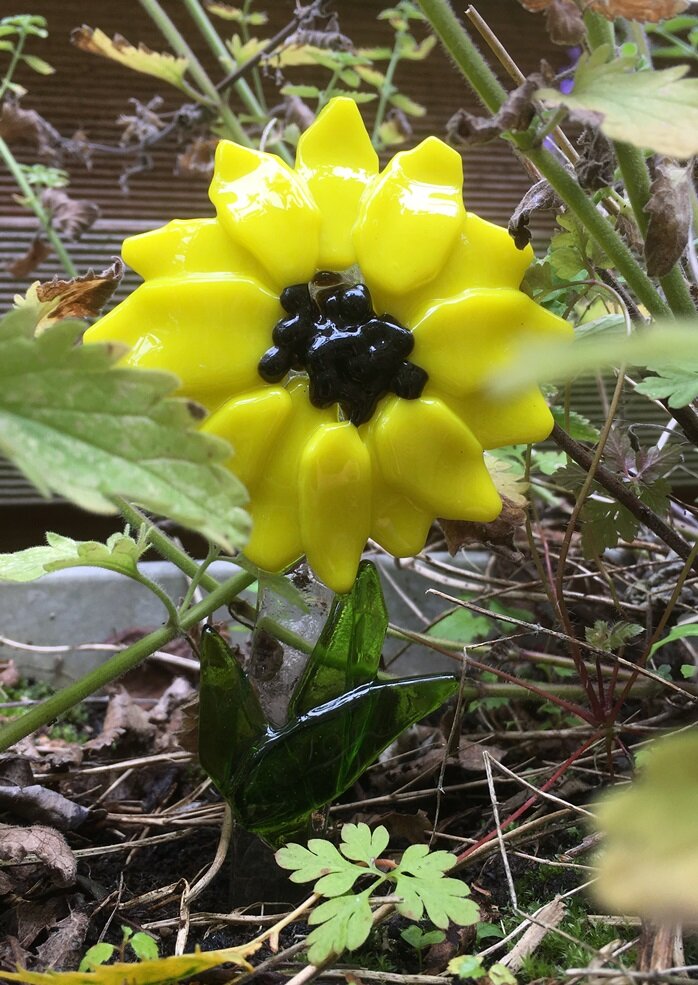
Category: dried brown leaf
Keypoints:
(669, 209)
(634, 10)
(9, 675)
(126, 726)
(47, 844)
(24, 265)
(70, 217)
(40, 804)
(499, 534)
(64, 946)
(595, 166)
(197, 158)
(516, 113)
(19, 125)
(564, 23)
(81, 297)
(539, 198)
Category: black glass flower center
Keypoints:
(352, 356)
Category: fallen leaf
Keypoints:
(15, 770)
(669, 209)
(126, 726)
(41, 804)
(159, 972)
(16, 843)
(70, 217)
(80, 297)
(634, 10)
(413, 828)
(498, 533)
(9, 675)
(64, 945)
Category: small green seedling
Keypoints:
(344, 920)
(143, 946)
(420, 939)
(470, 966)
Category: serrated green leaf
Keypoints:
(611, 637)
(371, 75)
(650, 109)
(603, 524)
(144, 946)
(363, 845)
(303, 91)
(417, 52)
(120, 553)
(677, 384)
(321, 861)
(345, 923)
(81, 427)
(422, 886)
(38, 64)
(96, 955)
(161, 65)
(576, 425)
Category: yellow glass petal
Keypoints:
(410, 218)
(276, 539)
(189, 246)
(521, 419)
(267, 209)
(335, 503)
(483, 255)
(252, 424)
(461, 341)
(337, 160)
(396, 523)
(427, 452)
(210, 330)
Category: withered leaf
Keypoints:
(197, 158)
(46, 843)
(22, 266)
(564, 22)
(669, 210)
(81, 297)
(19, 125)
(70, 217)
(126, 725)
(141, 59)
(497, 535)
(64, 945)
(516, 113)
(634, 10)
(540, 197)
(37, 803)
(596, 162)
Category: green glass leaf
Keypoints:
(348, 652)
(231, 719)
(308, 763)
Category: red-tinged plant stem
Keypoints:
(560, 771)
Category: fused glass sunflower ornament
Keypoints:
(338, 323)
(340, 718)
